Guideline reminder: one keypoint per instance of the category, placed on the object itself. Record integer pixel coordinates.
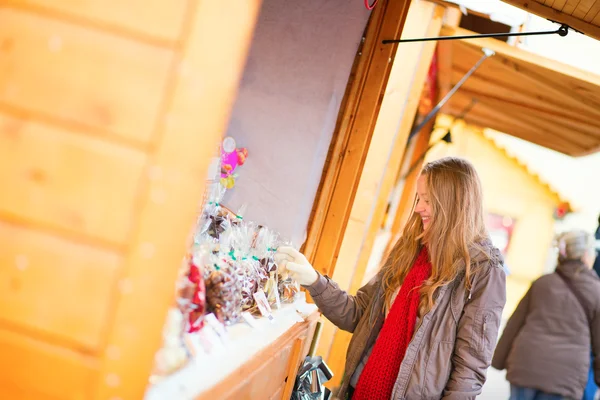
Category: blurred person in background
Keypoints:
(545, 347)
(597, 236)
(591, 388)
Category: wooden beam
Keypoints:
(216, 34)
(578, 91)
(555, 15)
(520, 127)
(485, 120)
(511, 91)
(353, 133)
(506, 50)
(555, 122)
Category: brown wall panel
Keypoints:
(46, 173)
(157, 18)
(55, 287)
(107, 84)
(33, 370)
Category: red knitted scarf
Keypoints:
(376, 382)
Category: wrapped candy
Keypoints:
(213, 219)
(264, 250)
(239, 216)
(198, 300)
(248, 267)
(223, 291)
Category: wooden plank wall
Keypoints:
(109, 113)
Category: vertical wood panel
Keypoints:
(99, 82)
(218, 35)
(67, 181)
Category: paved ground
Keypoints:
(496, 387)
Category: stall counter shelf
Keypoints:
(254, 363)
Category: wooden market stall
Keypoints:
(100, 157)
(110, 113)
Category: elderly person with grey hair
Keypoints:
(545, 345)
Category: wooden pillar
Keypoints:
(218, 35)
(384, 156)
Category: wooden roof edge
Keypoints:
(523, 55)
(550, 13)
(525, 168)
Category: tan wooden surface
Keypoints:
(34, 369)
(65, 181)
(109, 115)
(157, 21)
(270, 374)
(55, 288)
(92, 81)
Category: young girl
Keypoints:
(426, 326)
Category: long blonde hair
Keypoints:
(457, 227)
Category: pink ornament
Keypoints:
(231, 158)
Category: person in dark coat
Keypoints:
(597, 236)
(591, 387)
(545, 347)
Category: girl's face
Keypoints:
(423, 208)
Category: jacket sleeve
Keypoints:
(341, 308)
(513, 326)
(476, 334)
(595, 332)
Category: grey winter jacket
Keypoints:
(453, 344)
(546, 342)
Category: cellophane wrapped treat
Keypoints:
(223, 286)
(264, 250)
(214, 219)
(248, 267)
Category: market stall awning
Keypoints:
(522, 94)
(583, 16)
